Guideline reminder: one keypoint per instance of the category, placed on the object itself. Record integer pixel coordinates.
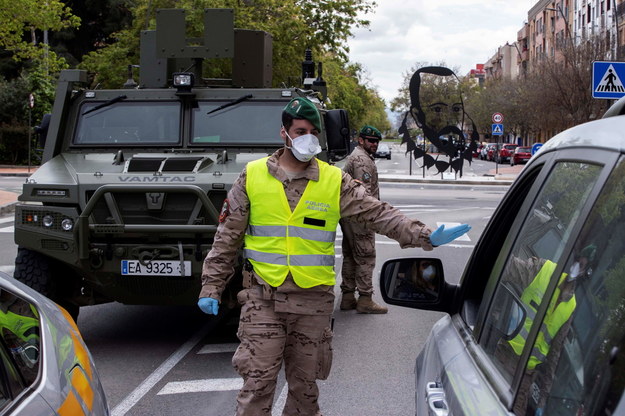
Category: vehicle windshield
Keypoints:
(524, 149)
(250, 122)
(129, 123)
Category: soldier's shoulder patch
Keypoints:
(366, 177)
(225, 211)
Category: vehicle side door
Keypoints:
(502, 303)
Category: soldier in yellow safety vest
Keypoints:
(285, 209)
(552, 332)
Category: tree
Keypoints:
(34, 18)
(348, 90)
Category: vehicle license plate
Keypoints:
(155, 268)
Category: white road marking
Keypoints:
(7, 229)
(7, 219)
(8, 269)
(198, 386)
(218, 348)
(278, 406)
(156, 376)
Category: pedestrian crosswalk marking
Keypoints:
(198, 386)
(7, 229)
(610, 82)
(7, 219)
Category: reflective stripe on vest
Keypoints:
(555, 316)
(278, 241)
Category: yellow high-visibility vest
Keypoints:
(278, 241)
(556, 316)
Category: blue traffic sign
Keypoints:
(497, 129)
(536, 147)
(607, 80)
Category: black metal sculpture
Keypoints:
(433, 118)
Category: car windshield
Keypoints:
(129, 123)
(510, 147)
(248, 122)
(524, 150)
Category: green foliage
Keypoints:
(347, 90)
(31, 17)
(15, 113)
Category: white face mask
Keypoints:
(429, 273)
(304, 147)
(574, 272)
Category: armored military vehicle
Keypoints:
(126, 202)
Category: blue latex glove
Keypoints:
(209, 306)
(444, 235)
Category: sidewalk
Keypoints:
(504, 175)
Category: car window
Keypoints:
(20, 333)
(584, 367)
(535, 253)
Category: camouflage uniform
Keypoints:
(288, 322)
(358, 244)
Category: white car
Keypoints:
(384, 151)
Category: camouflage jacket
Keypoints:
(356, 205)
(361, 166)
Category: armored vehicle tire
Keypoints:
(36, 271)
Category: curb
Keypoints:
(496, 182)
(22, 174)
(7, 208)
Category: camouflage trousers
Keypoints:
(358, 249)
(303, 342)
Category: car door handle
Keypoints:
(435, 396)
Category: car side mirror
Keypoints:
(412, 281)
(337, 134)
(508, 313)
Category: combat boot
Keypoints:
(348, 301)
(367, 305)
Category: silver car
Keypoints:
(536, 324)
(45, 366)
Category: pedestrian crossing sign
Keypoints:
(497, 129)
(607, 80)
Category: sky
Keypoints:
(460, 33)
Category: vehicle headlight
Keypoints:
(67, 224)
(47, 221)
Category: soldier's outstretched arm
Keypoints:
(383, 218)
(219, 264)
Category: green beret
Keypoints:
(302, 108)
(370, 132)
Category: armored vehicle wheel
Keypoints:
(37, 271)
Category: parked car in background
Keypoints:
(477, 151)
(483, 151)
(383, 151)
(506, 152)
(492, 151)
(45, 366)
(536, 323)
(521, 155)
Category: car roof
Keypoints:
(606, 133)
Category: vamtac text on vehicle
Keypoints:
(126, 202)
